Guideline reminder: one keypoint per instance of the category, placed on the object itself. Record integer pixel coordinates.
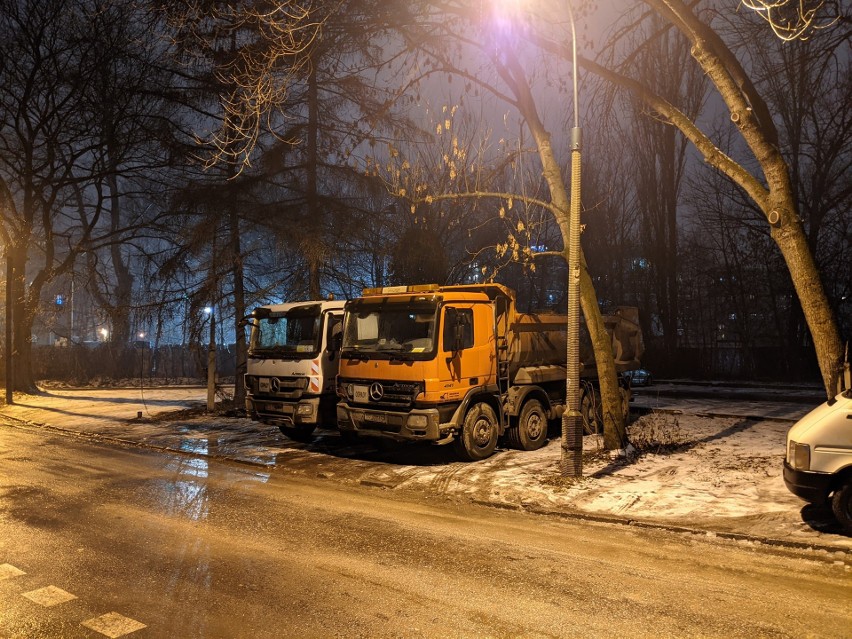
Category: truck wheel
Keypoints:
(531, 431)
(589, 413)
(841, 504)
(298, 433)
(478, 437)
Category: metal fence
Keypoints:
(87, 364)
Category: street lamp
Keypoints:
(571, 460)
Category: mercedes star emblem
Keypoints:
(376, 391)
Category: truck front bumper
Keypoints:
(291, 413)
(417, 424)
(811, 486)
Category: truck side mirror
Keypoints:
(252, 319)
(248, 320)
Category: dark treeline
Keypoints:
(162, 163)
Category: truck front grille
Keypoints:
(281, 387)
(381, 393)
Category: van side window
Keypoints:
(457, 317)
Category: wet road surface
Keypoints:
(185, 546)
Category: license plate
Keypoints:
(362, 394)
(378, 418)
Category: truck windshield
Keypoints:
(294, 333)
(390, 331)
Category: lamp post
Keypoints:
(571, 460)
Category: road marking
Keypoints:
(49, 596)
(113, 625)
(7, 571)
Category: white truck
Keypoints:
(293, 358)
(818, 464)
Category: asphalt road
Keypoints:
(195, 547)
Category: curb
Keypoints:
(711, 534)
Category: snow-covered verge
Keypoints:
(716, 474)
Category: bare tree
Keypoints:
(659, 160)
(770, 186)
(63, 150)
(807, 84)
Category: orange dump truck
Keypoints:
(459, 364)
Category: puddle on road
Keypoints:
(188, 492)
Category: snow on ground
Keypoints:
(722, 473)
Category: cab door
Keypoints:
(466, 346)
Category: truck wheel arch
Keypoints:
(519, 395)
(473, 397)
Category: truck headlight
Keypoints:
(799, 456)
(418, 421)
(304, 409)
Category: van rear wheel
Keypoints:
(841, 505)
(478, 437)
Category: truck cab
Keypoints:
(818, 463)
(293, 359)
(413, 358)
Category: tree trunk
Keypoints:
(612, 403)
(313, 241)
(119, 307)
(24, 313)
(790, 238)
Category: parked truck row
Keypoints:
(445, 364)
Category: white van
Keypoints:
(818, 466)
